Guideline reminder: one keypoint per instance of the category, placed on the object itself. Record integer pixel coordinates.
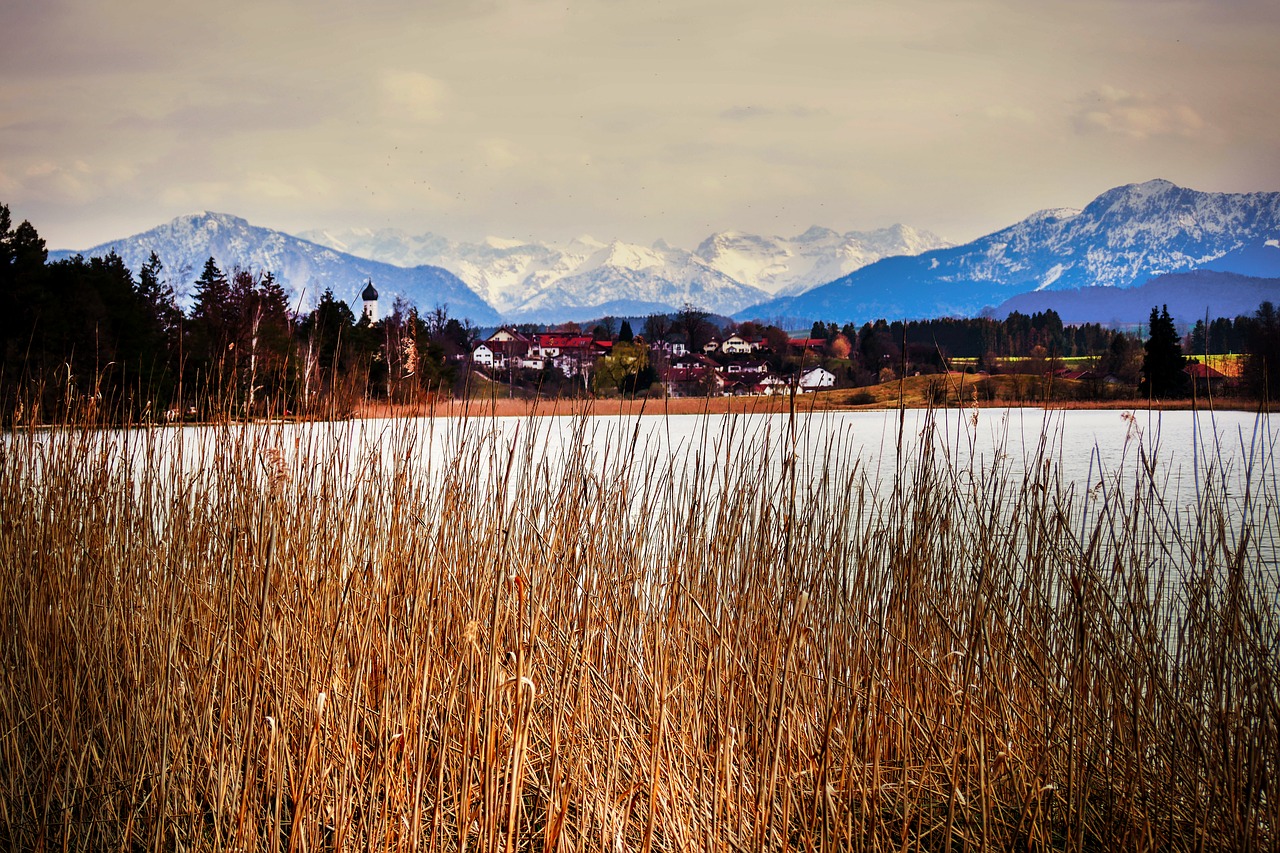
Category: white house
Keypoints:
(815, 378)
(482, 355)
(675, 349)
(735, 345)
(774, 385)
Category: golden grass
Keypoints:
(263, 637)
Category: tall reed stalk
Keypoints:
(554, 637)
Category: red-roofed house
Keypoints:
(502, 348)
(1206, 379)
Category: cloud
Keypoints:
(1135, 115)
(498, 153)
(1005, 113)
(413, 97)
(73, 181)
(753, 111)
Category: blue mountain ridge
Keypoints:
(1125, 237)
(1190, 296)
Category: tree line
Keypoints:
(82, 333)
(87, 333)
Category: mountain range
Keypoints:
(1125, 237)
(500, 280)
(305, 269)
(1081, 261)
(729, 271)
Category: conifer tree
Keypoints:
(22, 275)
(210, 360)
(1261, 371)
(1162, 366)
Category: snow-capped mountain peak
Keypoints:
(793, 265)
(586, 276)
(305, 268)
(1122, 238)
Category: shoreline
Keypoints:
(825, 401)
(509, 408)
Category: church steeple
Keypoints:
(370, 297)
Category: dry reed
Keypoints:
(283, 638)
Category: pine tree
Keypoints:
(1200, 338)
(1261, 371)
(22, 292)
(1162, 366)
(209, 359)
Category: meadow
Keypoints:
(558, 635)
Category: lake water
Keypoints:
(1178, 457)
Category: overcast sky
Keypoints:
(620, 118)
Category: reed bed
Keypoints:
(266, 637)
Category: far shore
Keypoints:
(832, 401)
(914, 393)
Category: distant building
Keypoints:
(571, 354)
(370, 297)
(504, 348)
(1205, 378)
(818, 377)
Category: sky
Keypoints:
(621, 119)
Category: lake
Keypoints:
(1098, 458)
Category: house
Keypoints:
(735, 345)
(505, 347)
(815, 378)
(736, 385)
(758, 367)
(1205, 378)
(772, 386)
(711, 346)
(672, 346)
(693, 380)
(812, 344)
(571, 354)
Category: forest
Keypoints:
(78, 332)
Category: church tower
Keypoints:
(370, 297)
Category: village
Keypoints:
(737, 365)
(744, 365)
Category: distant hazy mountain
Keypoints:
(1122, 238)
(304, 268)
(586, 278)
(1190, 296)
(789, 266)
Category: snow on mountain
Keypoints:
(304, 268)
(790, 266)
(1124, 237)
(534, 281)
(622, 278)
